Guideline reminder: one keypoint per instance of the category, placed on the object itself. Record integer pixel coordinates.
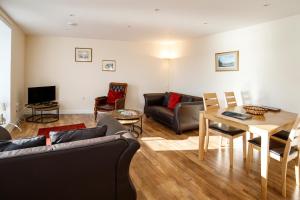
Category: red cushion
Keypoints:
(174, 98)
(113, 96)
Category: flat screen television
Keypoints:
(41, 94)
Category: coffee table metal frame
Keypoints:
(134, 121)
(43, 117)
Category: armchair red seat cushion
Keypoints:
(113, 95)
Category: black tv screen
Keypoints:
(41, 94)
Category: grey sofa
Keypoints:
(184, 117)
(90, 169)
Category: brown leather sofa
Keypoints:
(92, 169)
(184, 117)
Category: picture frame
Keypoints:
(109, 65)
(227, 61)
(83, 54)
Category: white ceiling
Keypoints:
(109, 19)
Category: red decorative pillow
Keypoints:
(113, 96)
(174, 98)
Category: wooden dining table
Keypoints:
(264, 126)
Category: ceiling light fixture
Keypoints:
(72, 24)
(205, 23)
(156, 9)
(267, 4)
(128, 26)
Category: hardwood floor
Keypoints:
(167, 166)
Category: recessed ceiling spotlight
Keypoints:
(128, 26)
(72, 24)
(156, 9)
(267, 4)
(205, 23)
(71, 15)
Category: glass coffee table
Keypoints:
(131, 118)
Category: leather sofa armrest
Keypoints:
(152, 99)
(187, 111)
(120, 103)
(100, 100)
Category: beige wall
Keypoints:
(269, 64)
(17, 68)
(50, 61)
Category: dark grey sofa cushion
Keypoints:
(4, 134)
(113, 126)
(75, 135)
(10, 145)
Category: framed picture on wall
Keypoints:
(109, 65)
(83, 54)
(227, 61)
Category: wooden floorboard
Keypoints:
(167, 166)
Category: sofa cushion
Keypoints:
(4, 134)
(166, 99)
(174, 99)
(162, 113)
(22, 143)
(186, 98)
(113, 126)
(75, 135)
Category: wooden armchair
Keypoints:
(104, 103)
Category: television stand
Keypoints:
(40, 112)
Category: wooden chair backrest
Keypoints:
(294, 138)
(230, 99)
(120, 87)
(210, 101)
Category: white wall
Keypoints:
(269, 64)
(17, 68)
(50, 61)
(5, 67)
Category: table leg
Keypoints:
(202, 131)
(265, 140)
(141, 124)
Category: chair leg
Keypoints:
(244, 146)
(297, 170)
(206, 141)
(283, 178)
(231, 152)
(220, 142)
(206, 136)
(95, 114)
(249, 158)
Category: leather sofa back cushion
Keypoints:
(186, 98)
(22, 143)
(75, 135)
(173, 100)
(166, 99)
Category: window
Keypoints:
(5, 68)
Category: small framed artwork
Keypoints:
(227, 61)
(109, 65)
(83, 54)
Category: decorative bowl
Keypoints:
(255, 110)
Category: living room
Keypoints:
(157, 47)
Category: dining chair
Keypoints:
(210, 101)
(230, 99)
(282, 150)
